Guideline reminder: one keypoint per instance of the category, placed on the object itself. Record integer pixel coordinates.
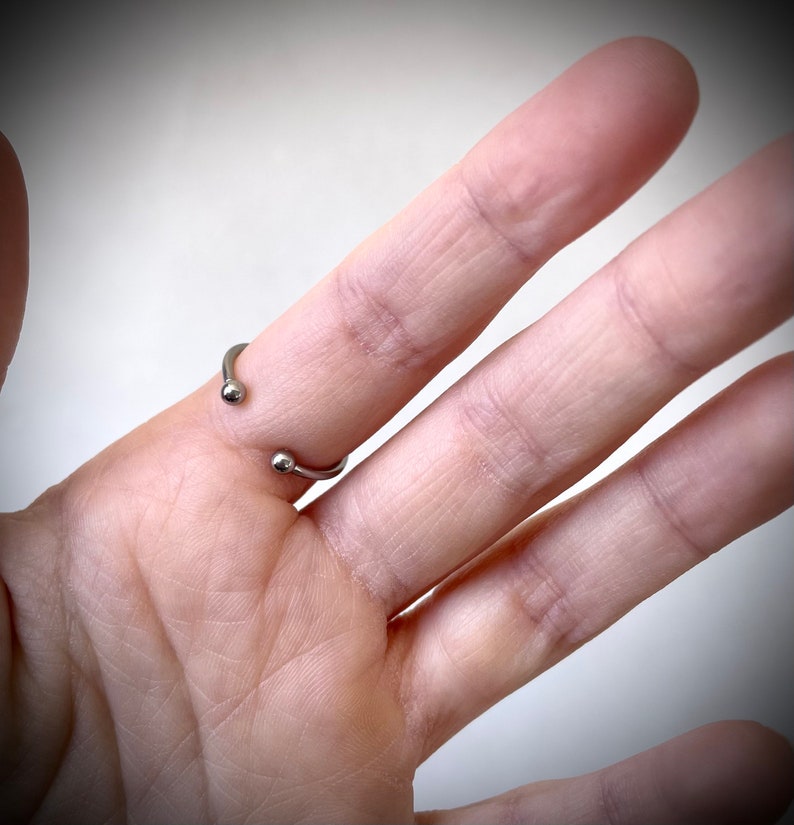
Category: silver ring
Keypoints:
(282, 461)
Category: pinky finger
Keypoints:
(727, 772)
(560, 579)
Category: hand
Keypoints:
(181, 643)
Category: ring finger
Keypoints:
(557, 399)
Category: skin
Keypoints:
(181, 643)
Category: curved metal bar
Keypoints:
(232, 391)
(283, 461)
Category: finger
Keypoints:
(727, 772)
(13, 253)
(336, 367)
(559, 580)
(557, 399)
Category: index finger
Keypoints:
(338, 365)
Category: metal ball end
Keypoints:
(282, 461)
(232, 392)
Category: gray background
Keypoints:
(194, 167)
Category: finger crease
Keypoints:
(668, 513)
(375, 329)
(636, 319)
(484, 217)
(500, 445)
(545, 604)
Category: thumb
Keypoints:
(13, 253)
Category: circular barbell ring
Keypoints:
(282, 461)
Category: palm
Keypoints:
(249, 645)
(182, 644)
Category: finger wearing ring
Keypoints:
(233, 392)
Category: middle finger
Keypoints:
(337, 366)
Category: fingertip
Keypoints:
(663, 59)
(667, 70)
(10, 167)
(13, 251)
